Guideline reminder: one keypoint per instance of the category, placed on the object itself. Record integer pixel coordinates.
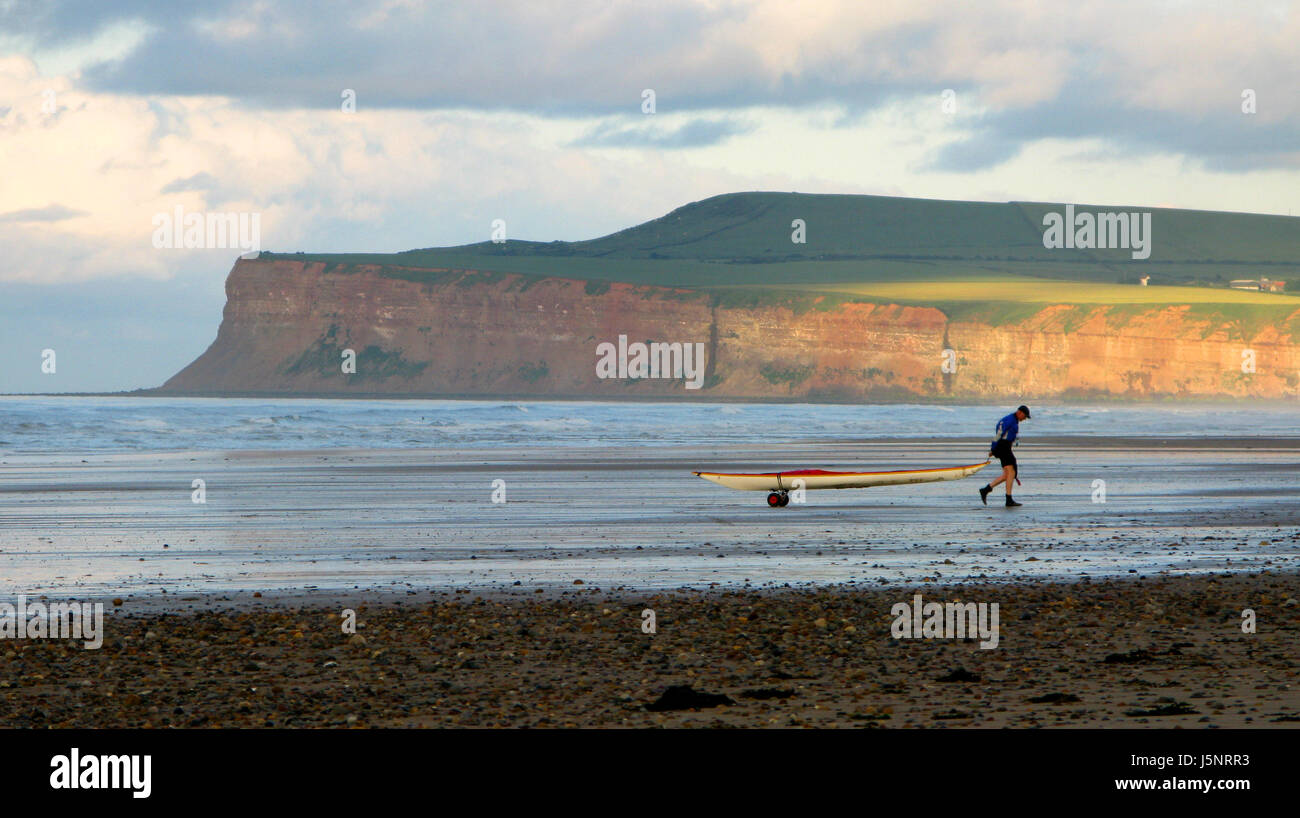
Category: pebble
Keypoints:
(537, 661)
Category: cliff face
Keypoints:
(287, 325)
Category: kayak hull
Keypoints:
(822, 479)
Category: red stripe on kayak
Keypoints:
(812, 472)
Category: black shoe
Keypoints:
(1012, 503)
(984, 494)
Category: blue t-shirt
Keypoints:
(1008, 429)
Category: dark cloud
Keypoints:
(1227, 140)
(505, 56)
(986, 150)
(199, 181)
(51, 213)
(694, 134)
(55, 23)
(594, 59)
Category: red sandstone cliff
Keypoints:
(286, 324)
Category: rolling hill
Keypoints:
(745, 239)
(887, 299)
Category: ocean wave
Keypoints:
(114, 424)
(145, 423)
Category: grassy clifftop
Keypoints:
(913, 251)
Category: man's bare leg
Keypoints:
(1007, 474)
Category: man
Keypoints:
(1007, 432)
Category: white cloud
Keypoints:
(387, 179)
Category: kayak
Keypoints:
(782, 482)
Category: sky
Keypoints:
(387, 125)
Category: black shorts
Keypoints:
(1002, 451)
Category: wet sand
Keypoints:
(635, 518)
(1123, 613)
(1165, 652)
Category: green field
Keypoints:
(1050, 291)
(913, 251)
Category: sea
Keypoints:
(55, 424)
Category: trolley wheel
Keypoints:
(785, 499)
(774, 500)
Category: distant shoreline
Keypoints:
(1225, 401)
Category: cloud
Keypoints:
(977, 153)
(323, 181)
(1025, 62)
(51, 213)
(693, 134)
(200, 181)
(1228, 140)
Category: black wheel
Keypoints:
(785, 499)
(774, 500)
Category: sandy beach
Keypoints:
(1125, 612)
(632, 517)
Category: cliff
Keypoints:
(287, 324)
